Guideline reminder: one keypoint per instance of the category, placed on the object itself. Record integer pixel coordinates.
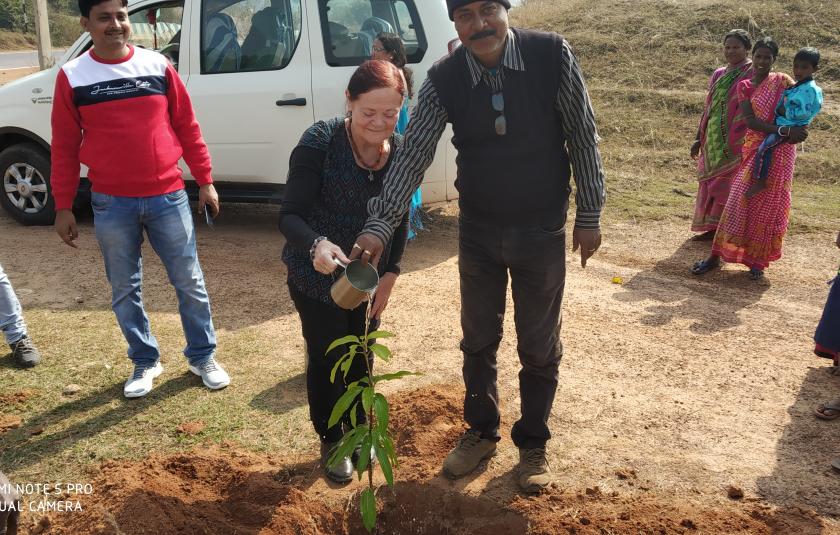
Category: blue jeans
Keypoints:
(11, 315)
(167, 220)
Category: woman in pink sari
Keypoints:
(720, 135)
(751, 230)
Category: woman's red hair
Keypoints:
(375, 74)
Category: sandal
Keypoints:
(756, 274)
(704, 266)
(828, 411)
(826, 353)
(709, 235)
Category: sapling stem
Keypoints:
(367, 358)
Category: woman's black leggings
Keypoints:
(322, 324)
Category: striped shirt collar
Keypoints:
(512, 59)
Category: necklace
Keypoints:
(369, 168)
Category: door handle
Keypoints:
(292, 102)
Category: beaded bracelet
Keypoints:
(315, 243)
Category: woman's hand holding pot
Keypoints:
(324, 255)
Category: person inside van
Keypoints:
(337, 166)
(268, 40)
(522, 120)
(220, 45)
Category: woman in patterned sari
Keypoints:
(751, 230)
(720, 135)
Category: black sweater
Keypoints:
(326, 194)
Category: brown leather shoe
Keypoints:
(534, 472)
(468, 454)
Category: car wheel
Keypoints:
(26, 192)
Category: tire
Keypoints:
(25, 190)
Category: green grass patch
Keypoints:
(264, 409)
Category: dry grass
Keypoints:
(647, 77)
(98, 423)
(64, 30)
(16, 41)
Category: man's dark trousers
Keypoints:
(535, 256)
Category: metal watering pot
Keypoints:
(355, 285)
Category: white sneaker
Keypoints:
(212, 374)
(140, 383)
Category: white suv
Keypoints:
(259, 73)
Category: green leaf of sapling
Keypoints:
(380, 334)
(367, 506)
(343, 404)
(381, 351)
(367, 398)
(380, 409)
(341, 341)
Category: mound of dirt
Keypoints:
(191, 428)
(7, 423)
(222, 490)
(426, 425)
(16, 397)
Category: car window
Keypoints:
(405, 26)
(248, 35)
(349, 28)
(158, 28)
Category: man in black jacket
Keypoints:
(522, 120)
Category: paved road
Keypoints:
(25, 58)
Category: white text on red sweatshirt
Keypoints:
(129, 121)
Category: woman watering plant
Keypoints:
(336, 168)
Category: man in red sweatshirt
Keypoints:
(124, 113)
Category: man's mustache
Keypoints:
(489, 32)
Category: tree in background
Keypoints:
(17, 16)
(14, 15)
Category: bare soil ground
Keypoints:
(673, 389)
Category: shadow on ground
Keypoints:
(803, 475)
(35, 441)
(283, 397)
(713, 301)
